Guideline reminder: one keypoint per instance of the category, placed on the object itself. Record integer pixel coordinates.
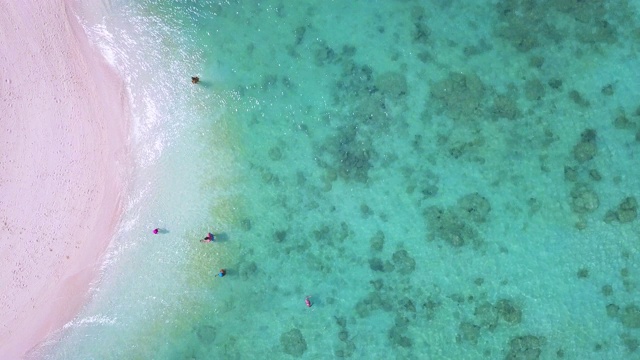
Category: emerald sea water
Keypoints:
(443, 179)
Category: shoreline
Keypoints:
(63, 171)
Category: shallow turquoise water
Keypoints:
(446, 180)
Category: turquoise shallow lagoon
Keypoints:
(444, 179)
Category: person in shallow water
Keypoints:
(155, 231)
(209, 238)
(195, 79)
(222, 272)
(307, 301)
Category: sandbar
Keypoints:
(64, 164)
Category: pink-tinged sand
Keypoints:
(63, 160)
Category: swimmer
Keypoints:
(307, 301)
(209, 238)
(222, 272)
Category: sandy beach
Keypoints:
(63, 168)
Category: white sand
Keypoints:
(63, 160)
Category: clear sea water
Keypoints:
(444, 179)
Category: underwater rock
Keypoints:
(206, 333)
(555, 83)
(376, 264)
(521, 23)
(508, 311)
(343, 335)
(486, 315)
(401, 321)
(430, 191)
(523, 39)
(407, 305)
(623, 122)
(344, 232)
(526, 347)
(323, 54)
(362, 309)
(275, 153)
(269, 81)
(581, 224)
(584, 199)
(627, 210)
(377, 284)
(624, 272)
(247, 270)
(630, 343)
(293, 342)
(356, 82)
(449, 227)
(578, 99)
(348, 51)
(431, 307)
(599, 31)
(589, 135)
(469, 332)
(475, 206)
(582, 11)
(393, 85)
(245, 224)
(404, 263)
(584, 151)
(299, 34)
(630, 317)
(534, 89)
(468, 149)
(613, 310)
(396, 336)
(570, 173)
(351, 154)
(534, 205)
(457, 297)
(280, 235)
(607, 90)
(377, 241)
(373, 301)
(324, 234)
(427, 183)
(594, 174)
(347, 350)
(536, 61)
(421, 32)
(582, 273)
(505, 107)
(461, 95)
(370, 109)
(481, 47)
(355, 165)
(365, 210)
(330, 176)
